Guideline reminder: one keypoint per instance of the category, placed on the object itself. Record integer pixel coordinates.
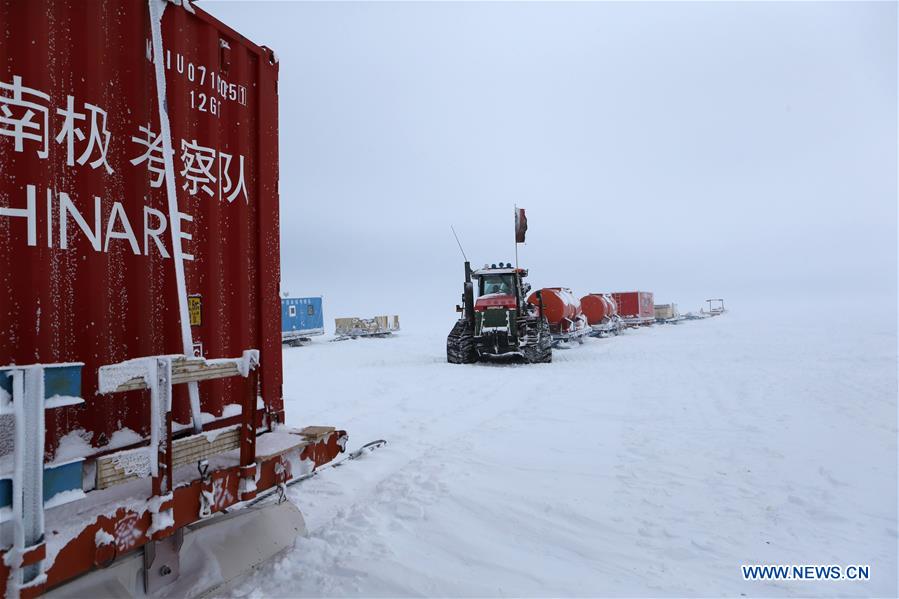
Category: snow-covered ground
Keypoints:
(653, 464)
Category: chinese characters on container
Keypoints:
(25, 116)
(30, 123)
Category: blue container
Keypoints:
(64, 380)
(64, 477)
(59, 379)
(5, 492)
(301, 317)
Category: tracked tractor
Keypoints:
(500, 323)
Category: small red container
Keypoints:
(635, 305)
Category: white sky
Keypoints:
(741, 150)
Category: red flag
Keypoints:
(521, 225)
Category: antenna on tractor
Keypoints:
(458, 242)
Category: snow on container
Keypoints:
(134, 229)
(635, 307)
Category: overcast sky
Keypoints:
(741, 150)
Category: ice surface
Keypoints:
(64, 497)
(228, 411)
(76, 444)
(650, 464)
(103, 538)
(110, 377)
(59, 401)
(212, 435)
(123, 437)
(248, 360)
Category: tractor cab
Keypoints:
(500, 286)
(496, 284)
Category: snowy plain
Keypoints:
(652, 464)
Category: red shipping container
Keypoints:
(138, 217)
(87, 255)
(635, 305)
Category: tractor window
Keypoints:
(496, 284)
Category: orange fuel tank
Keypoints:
(559, 303)
(597, 307)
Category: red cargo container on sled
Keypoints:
(635, 307)
(140, 342)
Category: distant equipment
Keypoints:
(301, 318)
(352, 328)
(716, 307)
(667, 313)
